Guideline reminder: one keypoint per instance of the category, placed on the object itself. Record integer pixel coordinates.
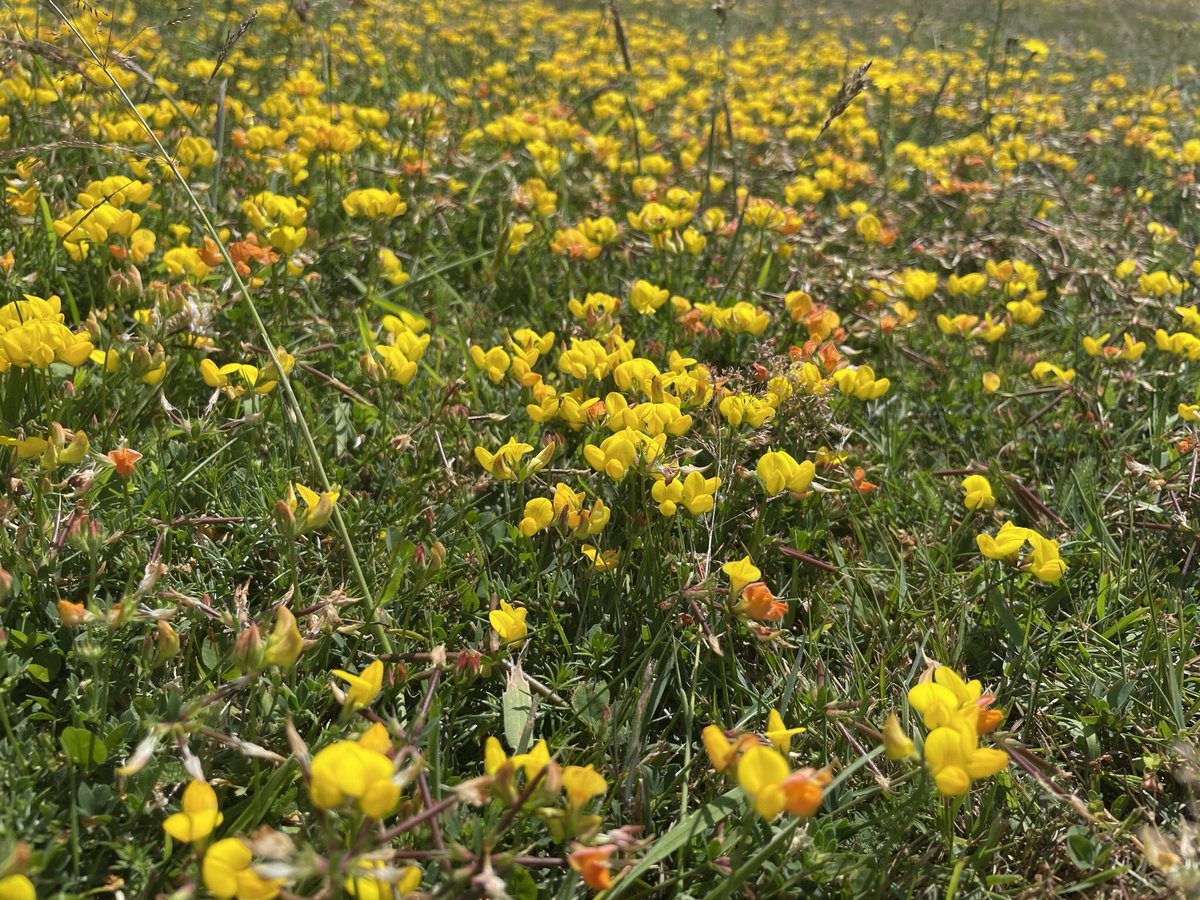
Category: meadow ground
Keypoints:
(465, 449)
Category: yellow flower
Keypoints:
(1006, 544)
(602, 560)
(582, 783)
(778, 733)
(318, 508)
(373, 203)
(494, 362)
(365, 686)
(1159, 284)
(505, 463)
(646, 298)
(918, 284)
(1181, 343)
(1130, 349)
(960, 324)
(970, 285)
(978, 492)
(199, 817)
(946, 698)
(516, 236)
(740, 573)
(602, 230)
(285, 643)
(509, 622)
(746, 408)
(897, 744)
(351, 770)
(539, 515)
(695, 493)
(185, 260)
(391, 267)
(991, 330)
(991, 382)
(955, 759)
(500, 464)
(362, 885)
(531, 763)
(574, 244)
(905, 315)
(400, 368)
(493, 755)
(1044, 562)
(722, 752)
(868, 227)
(860, 382)
(740, 318)
(778, 471)
(620, 452)
(1189, 412)
(33, 334)
(62, 447)
(763, 773)
(227, 873)
(247, 376)
(1024, 312)
(17, 887)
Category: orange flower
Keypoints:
(592, 865)
(860, 481)
(210, 254)
(759, 603)
(988, 718)
(71, 613)
(247, 251)
(124, 460)
(803, 791)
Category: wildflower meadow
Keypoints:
(736, 449)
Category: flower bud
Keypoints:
(285, 643)
(161, 295)
(248, 649)
(286, 518)
(86, 533)
(166, 643)
(126, 284)
(437, 556)
(320, 515)
(142, 360)
(17, 860)
(140, 758)
(372, 368)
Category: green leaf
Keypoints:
(83, 748)
(517, 705)
(520, 884)
(1080, 847)
(590, 702)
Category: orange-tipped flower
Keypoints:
(124, 460)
